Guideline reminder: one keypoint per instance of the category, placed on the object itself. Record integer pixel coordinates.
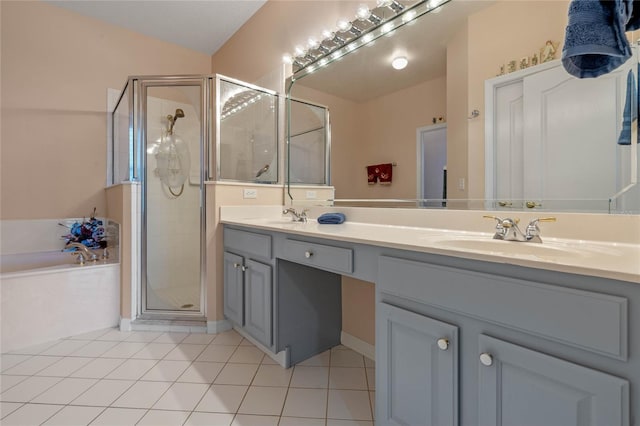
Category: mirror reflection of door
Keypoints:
(432, 163)
(172, 205)
(555, 139)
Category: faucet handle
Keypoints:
(545, 219)
(488, 216)
(533, 231)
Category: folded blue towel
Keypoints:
(332, 218)
(630, 113)
(595, 41)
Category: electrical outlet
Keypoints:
(461, 184)
(249, 193)
(311, 195)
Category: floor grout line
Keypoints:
(189, 363)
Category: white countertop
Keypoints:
(605, 259)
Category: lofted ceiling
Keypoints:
(203, 25)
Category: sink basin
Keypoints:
(547, 251)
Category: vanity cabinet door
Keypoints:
(519, 386)
(233, 287)
(417, 374)
(258, 301)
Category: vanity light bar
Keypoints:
(348, 37)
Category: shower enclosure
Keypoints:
(171, 134)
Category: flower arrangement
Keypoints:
(90, 232)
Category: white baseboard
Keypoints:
(358, 345)
(125, 324)
(215, 327)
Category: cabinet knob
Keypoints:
(244, 268)
(486, 359)
(236, 265)
(443, 344)
(308, 254)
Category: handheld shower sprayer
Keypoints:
(173, 118)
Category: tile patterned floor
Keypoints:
(113, 378)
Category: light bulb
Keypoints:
(299, 51)
(409, 16)
(312, 43)
(287, 59)
(385, 3)
(328, 34)
(363, 12)
(399, 62)
(343, 25)
(434, 5)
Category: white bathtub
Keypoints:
(47, 296)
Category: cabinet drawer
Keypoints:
(593, 321)
(319, 255)
(248, 242)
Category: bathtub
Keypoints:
(46, 295)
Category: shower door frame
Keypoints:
(143, 312)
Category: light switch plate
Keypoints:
(249, 193)
(311, 195)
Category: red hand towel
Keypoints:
(385, 173)
(372, 174)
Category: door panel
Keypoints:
(417, 381)
(233, 288)
(258, 301)
(524, 387)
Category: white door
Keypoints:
(432, 162)
(552, 139)
(571, 130)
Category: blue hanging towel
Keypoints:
(630, 113)
(595, 41)
(332, 218)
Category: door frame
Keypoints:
(420, 155)
(139, 290)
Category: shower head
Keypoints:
(172, 119)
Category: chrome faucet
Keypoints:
(295, 216)
(507, 229)
(83, 251)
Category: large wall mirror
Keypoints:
(442, 140)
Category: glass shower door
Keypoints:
(172, 197)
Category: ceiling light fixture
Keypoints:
(399, 62)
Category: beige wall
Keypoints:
(56, 68)
(457, 108)
(359, 309)
(118, 209)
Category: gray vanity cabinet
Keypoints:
(519, 386)
(248, 283)
(418, 364)
(531, 353)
